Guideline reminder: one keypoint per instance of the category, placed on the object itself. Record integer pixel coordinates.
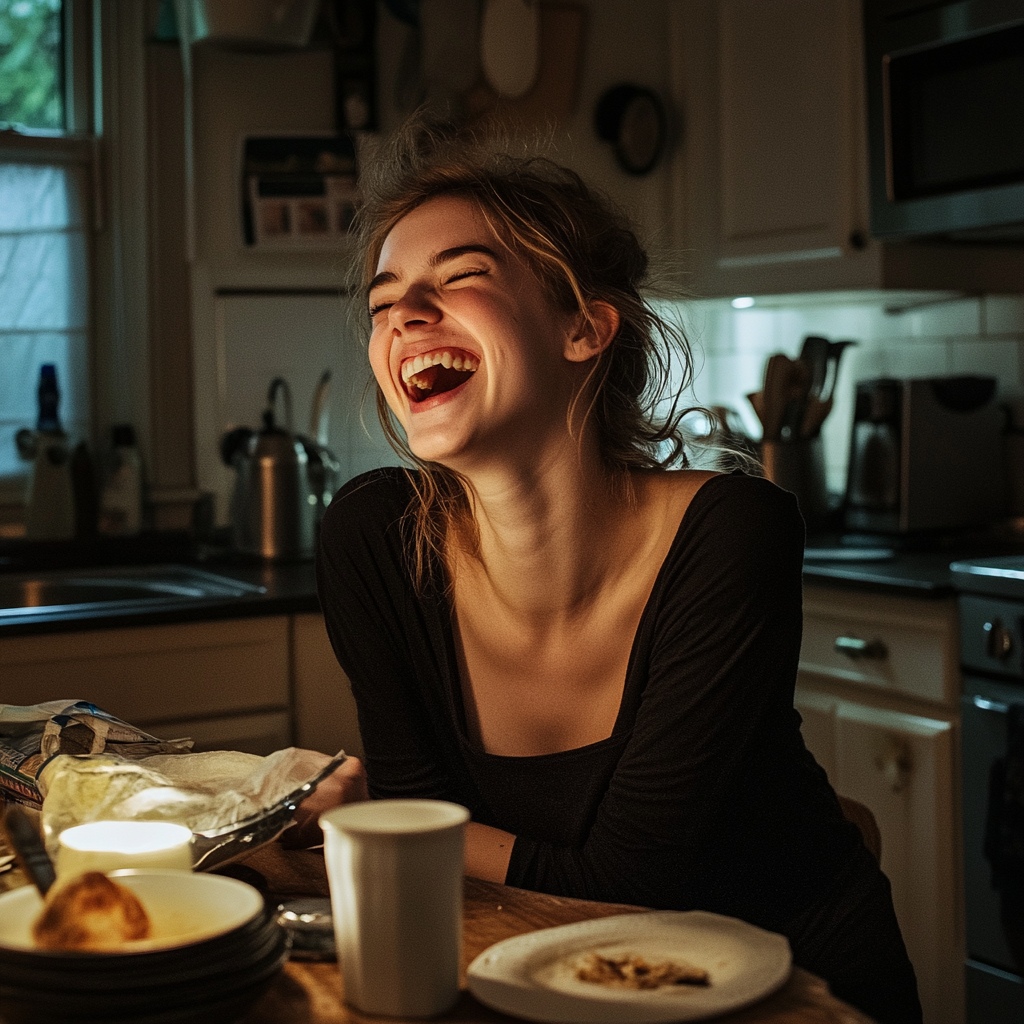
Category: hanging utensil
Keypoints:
(835, 352)
(775, 394)
(796, 399)
(814, 416)
(819, 405)
(756, 400)
(814, 352)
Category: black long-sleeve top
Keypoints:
(704, 796)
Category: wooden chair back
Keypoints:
(862, 817)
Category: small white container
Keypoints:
(395, 872)
(113, 845)
(121, 499)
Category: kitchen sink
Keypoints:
(111, 589)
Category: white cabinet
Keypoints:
(877, 692)
(770, 177)
(325, 711)
(256, 685)
(226, 683)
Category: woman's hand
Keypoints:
(345, 785)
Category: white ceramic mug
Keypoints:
(395, 872)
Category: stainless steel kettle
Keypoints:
(276, 503)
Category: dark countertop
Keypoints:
(290, 588)
(287, 589)
(917, 574)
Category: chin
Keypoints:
(444, 452)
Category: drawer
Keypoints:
(260, 733)
(155, 673)
(897, 644)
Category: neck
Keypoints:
(551, 532)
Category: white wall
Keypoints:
(239, 94)
(244, 94)
(959, 336)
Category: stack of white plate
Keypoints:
(214, 950)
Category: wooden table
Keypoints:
(313, 993)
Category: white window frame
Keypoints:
(104, 77)
(73, 147)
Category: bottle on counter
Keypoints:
(121, 499)
(49, 401)
(50, 502)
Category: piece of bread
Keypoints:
(91, 912)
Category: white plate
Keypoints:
(183, 908)
(532, 976)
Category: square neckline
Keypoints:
(630, 698)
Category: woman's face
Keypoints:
(465, 345)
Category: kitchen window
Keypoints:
(47, 155)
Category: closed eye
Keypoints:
(380, 307)
(465, 273)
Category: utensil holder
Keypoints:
(799, 467)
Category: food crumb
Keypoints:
(630, 971)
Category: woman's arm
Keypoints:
(487, 852)
(383, 635)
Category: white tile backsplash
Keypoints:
(916, 357)
(956, 336)
(996, 358)
(1003, 314)
(943, 320)
(263, 336)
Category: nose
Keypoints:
(414, 307)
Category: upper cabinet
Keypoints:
(770, 177)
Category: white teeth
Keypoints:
(443, 357)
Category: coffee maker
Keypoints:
(925, 454)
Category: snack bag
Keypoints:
(30, 736)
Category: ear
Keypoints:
(594, 333)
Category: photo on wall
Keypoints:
(298, 192)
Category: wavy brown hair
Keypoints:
(581, 248)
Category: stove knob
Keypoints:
(999, 643)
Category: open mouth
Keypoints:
(434, 373)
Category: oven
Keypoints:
(992, 658)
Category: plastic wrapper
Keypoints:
(233, 802)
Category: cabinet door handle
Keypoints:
(854, 647)
(895, 761)
(991, 705)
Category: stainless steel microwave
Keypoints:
(945, 92)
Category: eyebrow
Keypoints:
(439, 258)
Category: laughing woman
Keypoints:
(594, 653)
